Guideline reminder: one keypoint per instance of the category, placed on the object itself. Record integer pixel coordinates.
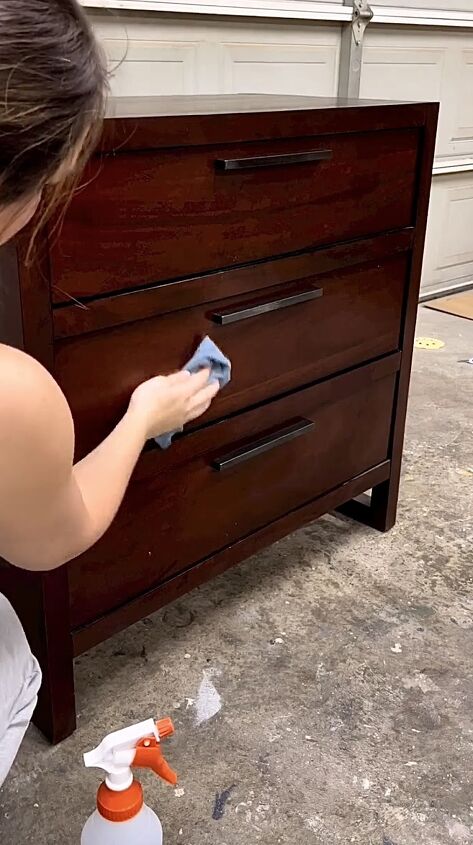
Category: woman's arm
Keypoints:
(50, 510)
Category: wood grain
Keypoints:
(145, 218)
(198, 120)
(71, 319)
(358, 318)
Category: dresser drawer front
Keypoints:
(211, 488)
(278, 340)
(160, 215)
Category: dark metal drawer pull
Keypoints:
(229, 164)
(265, 444)
(224, 318)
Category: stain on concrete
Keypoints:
(221, 799)
(178, 616)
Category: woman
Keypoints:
(52, 89)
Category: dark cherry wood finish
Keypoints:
(137, 209)
(318, 340)
(291, 230)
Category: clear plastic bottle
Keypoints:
(121, 817)
(144, 828)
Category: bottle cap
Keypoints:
(120, 806)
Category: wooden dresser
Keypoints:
(291, 230)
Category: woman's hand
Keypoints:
(166, 403)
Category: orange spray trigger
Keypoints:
(165, 728)
(120, 797)
(148, 755)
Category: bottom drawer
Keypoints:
(221, 483)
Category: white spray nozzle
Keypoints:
(116, 753)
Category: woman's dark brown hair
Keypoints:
(52, 91)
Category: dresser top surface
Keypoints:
(195, 104)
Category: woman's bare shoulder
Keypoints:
(11, 358)
(23, 380)
(31, 403)
(36, 454)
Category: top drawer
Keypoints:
(146, 217)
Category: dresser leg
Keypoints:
(55, 714)
(41, 601)
(377, 510)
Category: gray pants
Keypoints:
(20, 679)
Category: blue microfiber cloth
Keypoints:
(206, 356)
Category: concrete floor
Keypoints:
(343, 662)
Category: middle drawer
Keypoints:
(278, 340)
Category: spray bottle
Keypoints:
(122, 817)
